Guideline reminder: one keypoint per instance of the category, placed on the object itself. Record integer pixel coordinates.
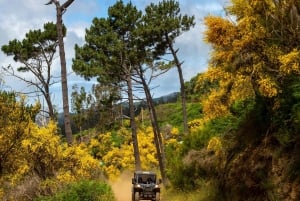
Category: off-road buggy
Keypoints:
(145, 186)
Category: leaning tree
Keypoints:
(35, 53)
(165, 23)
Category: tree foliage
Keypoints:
(35, 53)
(163, 24)
(121, 48)
(97, 108)
(249, 100)
(253, 55)
(110, 54)
(248, 105)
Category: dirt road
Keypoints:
(122, 187)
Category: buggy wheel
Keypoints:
(136, 196)
(157, 196)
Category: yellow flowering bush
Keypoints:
(215, 145)
(15, 126)
(1, 193)
(100, 145)
(147, 148)
(268, 87)
(115, 159)
(195, 124)
(78, 162)
(290, 63)
(215, 105)
(241, 89)
(42, 149)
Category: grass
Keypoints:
(207, 192)
(171, 113)
(173, 195)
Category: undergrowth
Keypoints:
(206, 192)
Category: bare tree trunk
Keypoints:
(182, 89)
(64, 83)
(156, 130)
(47, 90)
(49, 103)
(157, 136)
(133, 125)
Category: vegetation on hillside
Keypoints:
(245, 144)
(34, 160)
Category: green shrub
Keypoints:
(216, 127)
(171, 113)
(87, 190)
(207, 191)
(184, 176)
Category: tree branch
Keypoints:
(66, 4)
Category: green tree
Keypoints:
(97, 108)
(109, 55)
(103, 100)
(78, 100)
(164, 24)
(36, 53)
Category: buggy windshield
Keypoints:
(146, 178)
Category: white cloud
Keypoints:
(78, 29)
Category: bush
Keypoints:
(207, 191)
(86, 190)
(182, 175)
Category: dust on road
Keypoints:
(122, 187)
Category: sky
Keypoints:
(17, 17)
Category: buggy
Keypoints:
(145, 186)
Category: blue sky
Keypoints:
(19, 16)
